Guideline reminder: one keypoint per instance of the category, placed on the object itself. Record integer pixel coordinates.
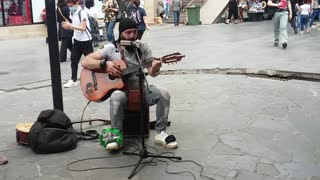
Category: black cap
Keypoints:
(127, 23)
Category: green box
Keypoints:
(193, 15)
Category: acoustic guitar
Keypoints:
(97, 85)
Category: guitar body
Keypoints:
(98, 85)
(22, 132)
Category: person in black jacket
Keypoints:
(233, 10)
(65, 35)
(294, 16)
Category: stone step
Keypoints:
(26, 31)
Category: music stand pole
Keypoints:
(143, 154)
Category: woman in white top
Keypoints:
(304, 10)
(82, 38)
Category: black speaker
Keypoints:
(131, 123)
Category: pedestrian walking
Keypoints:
(305, 10)
(280, 21)
(315, 4)
(44, 19)
(293, 20)
(65, 35)
(139, 15)
(233, 11)
(82, 38)
(177, 7)
(167, 10)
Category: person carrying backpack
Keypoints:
(139, 15)
(82, 38)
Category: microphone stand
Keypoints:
(143, 154)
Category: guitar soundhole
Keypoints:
(89, 88)
(112, 77)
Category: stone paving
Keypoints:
(237, 127)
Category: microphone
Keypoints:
(136, 44)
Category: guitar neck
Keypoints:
(135, 68)
(171, 58)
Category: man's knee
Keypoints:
(118, 96)
(165, 94)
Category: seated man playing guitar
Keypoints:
(104, 60)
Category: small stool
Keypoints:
(131, 123)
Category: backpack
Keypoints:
(94, 28)
(135, 15)
(52, 133)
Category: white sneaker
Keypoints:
(70, 83)
(163, 138)
(114, 145)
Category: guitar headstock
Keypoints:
(171, 58)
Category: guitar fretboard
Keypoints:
(135, 68)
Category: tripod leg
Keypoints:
(135, 168)
(130, 153)
(167, 157)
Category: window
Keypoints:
(16, 12)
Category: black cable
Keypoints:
(199, 165)
(93, 134)
(82, 116)
(110, 167)
(179, 161)
(89, 134)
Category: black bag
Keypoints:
(272, 10)
(52, 133)
(120, 16)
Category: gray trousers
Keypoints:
(280, 23)
(160, 97)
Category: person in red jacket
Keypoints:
(44, 19)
